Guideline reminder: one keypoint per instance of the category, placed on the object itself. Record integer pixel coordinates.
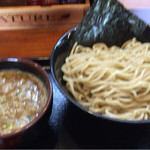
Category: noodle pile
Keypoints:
(113, 81)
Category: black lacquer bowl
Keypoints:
(58, 56)
(16, 138)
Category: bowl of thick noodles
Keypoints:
(111, 83)
(25, 100)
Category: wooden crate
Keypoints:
(32, 31)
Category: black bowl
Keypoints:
(60, 52)
(14, 139)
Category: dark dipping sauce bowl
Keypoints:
(15, 139)
(60, 52)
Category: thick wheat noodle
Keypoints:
(113, 81)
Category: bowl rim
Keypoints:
(94, 114)
(49, 98)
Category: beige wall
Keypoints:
(130, 4)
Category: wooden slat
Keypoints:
(37, 42)
(13, 3)
(36, 16)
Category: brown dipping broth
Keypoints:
(22, 97)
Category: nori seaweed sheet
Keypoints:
(109, 22)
